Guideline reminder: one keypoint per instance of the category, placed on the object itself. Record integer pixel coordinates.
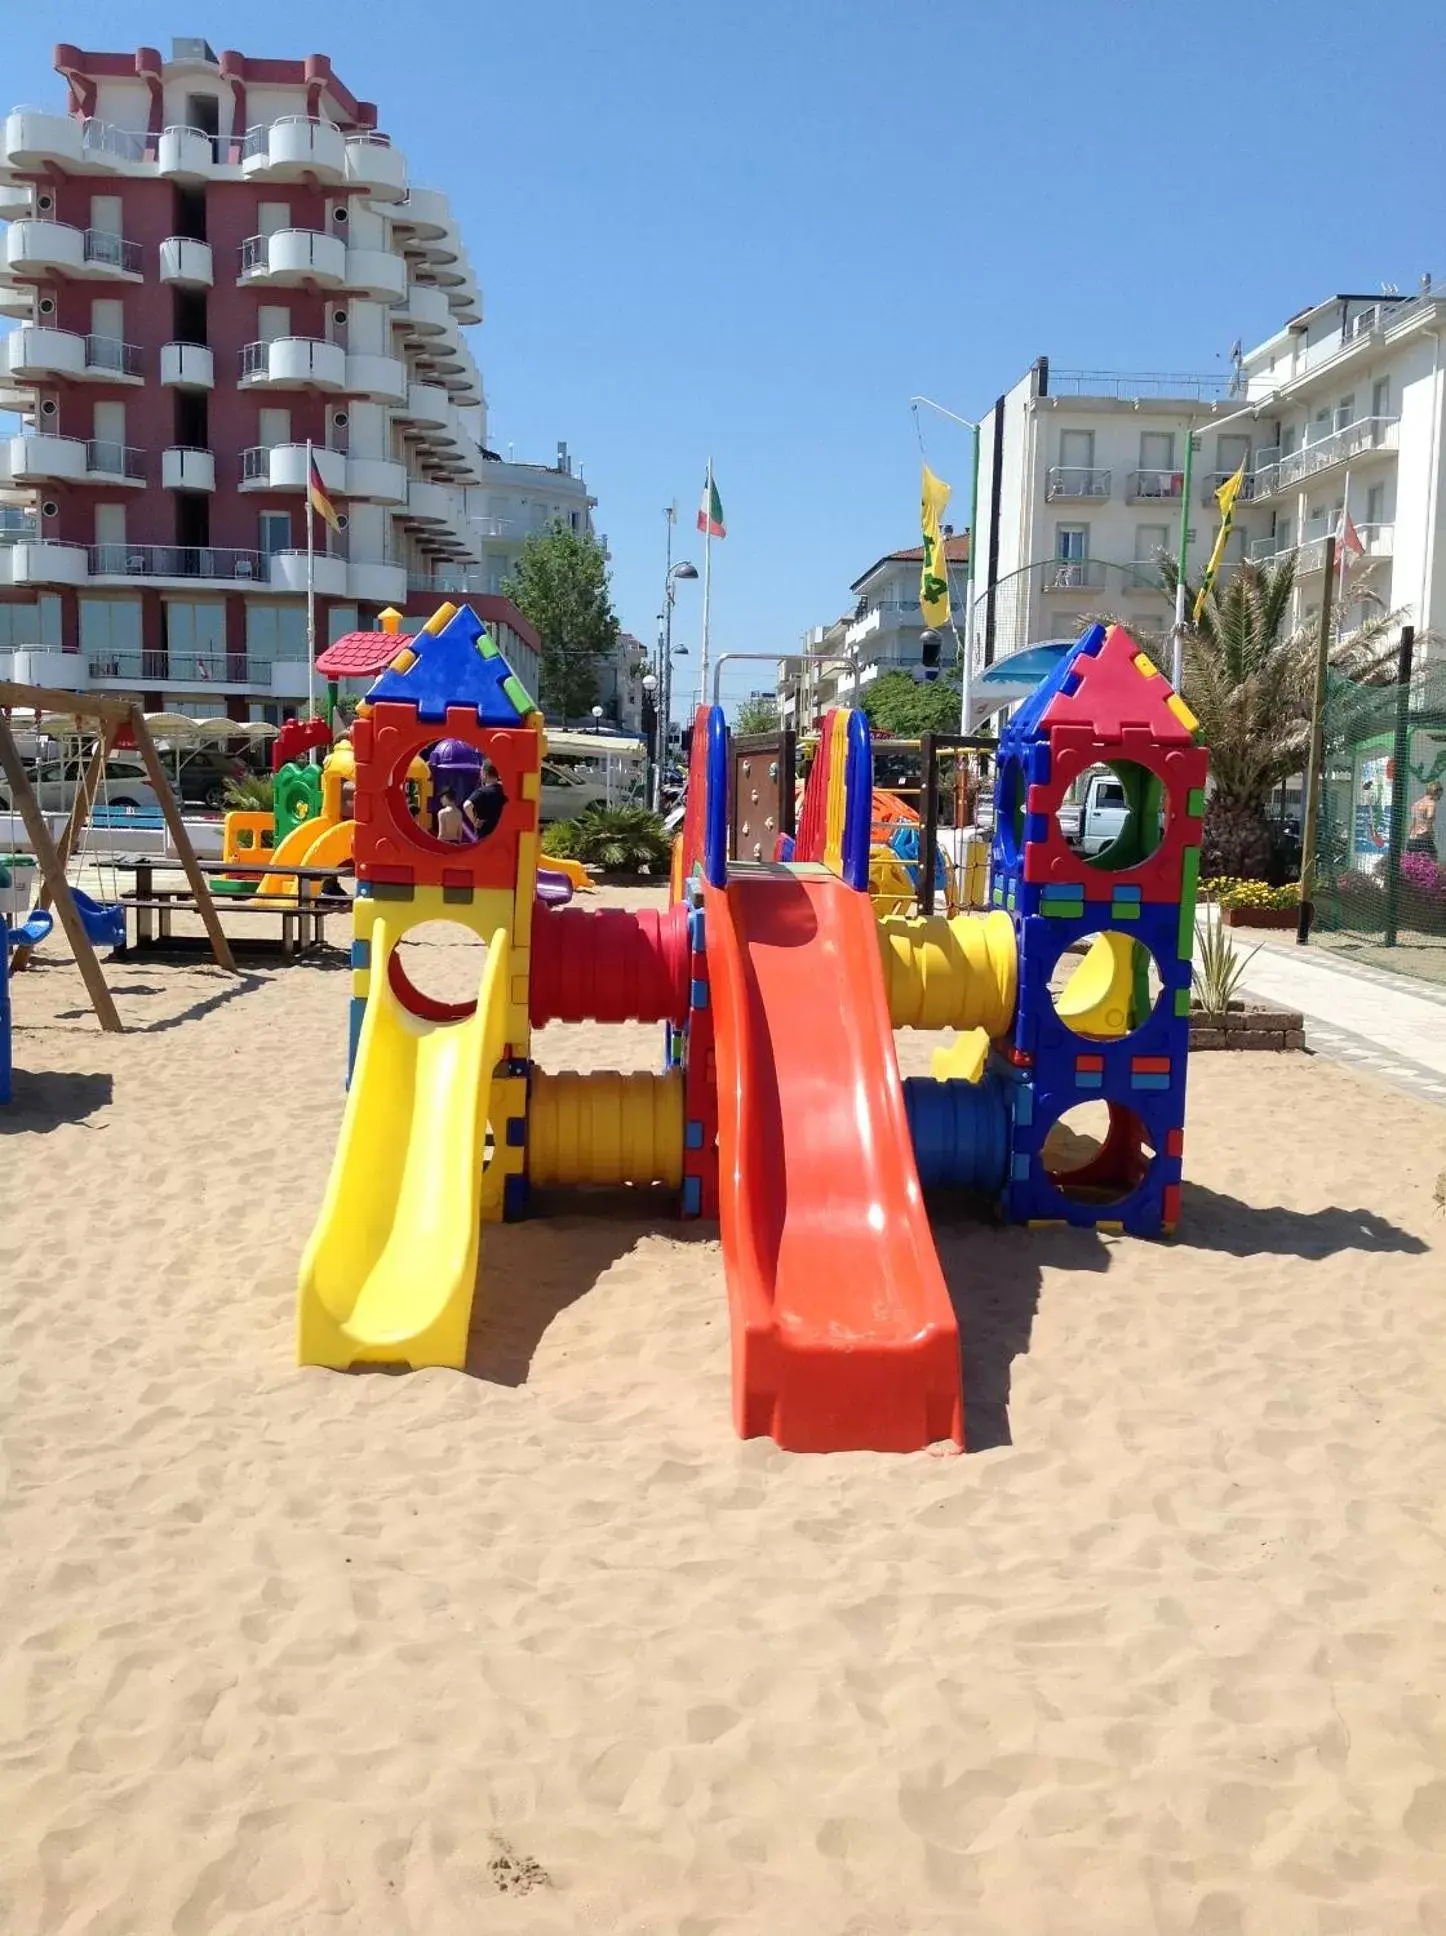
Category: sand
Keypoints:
(544, 1648)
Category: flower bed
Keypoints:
(1248, 1026)
(1259, 917)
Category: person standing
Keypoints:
(485, 803)
(1422, 836)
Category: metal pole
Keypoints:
(1400, 785)
(1317, 753)
(665, 687)
(966, 670)
(929, 831)
(310, 592)
(1177, 636)
(707, 582)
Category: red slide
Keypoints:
(843, 1334)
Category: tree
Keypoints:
(757, 714)
(1249, 679)
(898, 703)
(561, 586)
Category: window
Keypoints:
(275, 631)
(1072, 541)
(110, 529)
(273, 321)
(272, 217)
(1230, 454)
(108, 318)
(273, 533)
(340, 620)
(1376, 504)
(1345, 411)
(1320, 426)
(1150, 541)
(105, 214)
(1381, 397)
(1157, 450)
(1077, 449)
(110, 627)
(273, 427)
(19, 625)
(194, 628)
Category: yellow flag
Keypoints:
(934, 577)
(1225, 497)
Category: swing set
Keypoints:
(87, 921)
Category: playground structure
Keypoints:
(85, 921)
(779, 1108)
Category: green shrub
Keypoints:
(250, 793)
(1217, 974)
(560, 840)
(620, 840)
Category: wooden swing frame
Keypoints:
(110, 715)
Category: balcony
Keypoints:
(374, 164)
(1143, 579)
(41, 460)
(423, 213)
(109, 462)
(376, 479)
(292, 148)
(1214, 480)
(185, 469)
(185, 154)
(382, 378)
(185, 563)
(376, 583)
(431, 504)
(286, 572)
(41, 563)
(1378, 540)
(112, 361)
(186, 262)
(36, 139)
(282, 467)
(188, 366)
(1065, 481)
(31, 355)
(1072, 575)
(105, 145)
(1277, 471)
(507, 528)
(427, 406)
(377, 274)
(426, 310)
(38, 250)
(180, 669)
(1154, 487)
(293, 363)
(17, 201)
(293, 259)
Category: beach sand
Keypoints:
(544, 1648)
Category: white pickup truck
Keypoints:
(1093, 823)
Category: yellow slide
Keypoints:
(388, 1274)
(311, 843)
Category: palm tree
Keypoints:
(1249, 678)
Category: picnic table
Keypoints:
(303, 914)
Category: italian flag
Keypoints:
(710, 511)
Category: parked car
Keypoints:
(56, 782)
(569, 786)
(203, 776)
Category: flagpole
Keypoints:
(707, 582)
(310, 593)
(1344, 560)
(1177, 639)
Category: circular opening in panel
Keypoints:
(1010, 794)
(1097, 1152)
(436, 969)
(1109, 989)
(1114, 816)
(452, 793)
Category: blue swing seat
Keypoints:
(104, 922)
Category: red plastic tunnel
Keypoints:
(614, 965)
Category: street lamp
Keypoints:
(650, 686)
(597, 713)
(665, 702)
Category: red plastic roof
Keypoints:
(360, 655)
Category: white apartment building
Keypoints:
(1081, 479)
(1347, 413)
(881, 634)
(210, 261)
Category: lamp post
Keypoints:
(681, 570)
(650, 734)
(597, 713)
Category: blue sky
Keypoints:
(756, 229)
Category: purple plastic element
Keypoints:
(456, 770)
(553, 889)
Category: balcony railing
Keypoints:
(110, 353)
(18, 527)
(1154, 487)
(99, 245)
(1143, 576)
(175, 561)
(115, 459)
(1277, 472)
(1147, 383)
(1214, 480)
(103, 138)
(1074, 480)
(1309, 556)
(1072, 575)
(181, 668)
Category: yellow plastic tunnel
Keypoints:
(606, 1128)
(961, 973)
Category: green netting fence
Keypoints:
(1376, 884)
